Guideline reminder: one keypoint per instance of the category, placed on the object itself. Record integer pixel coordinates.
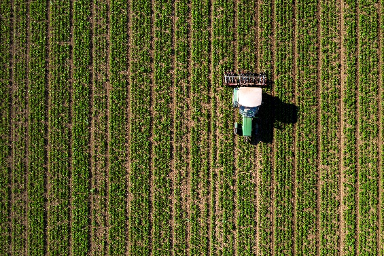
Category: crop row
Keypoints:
(140, 127)
(19, 129)
(5, 76)
(245, 196)
(329, 159)
(265, 217)
(100, 132)
(381, 184)
(368, 126)
(306, 127)
(223, 59)
(283, 138)
(161, 128)
(349, 129)
(181, 108)
(117, 126)
(37, 126)
(200, 50)
(81, 127)
(58, 215)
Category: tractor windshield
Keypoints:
(248, 111)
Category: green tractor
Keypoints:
(247, 96)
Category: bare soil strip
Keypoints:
(318, 93)
(342, 180)
(128, 139)
(380, 206)
(99, 130)
(295, 134)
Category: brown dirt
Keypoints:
(128, 138)
(99, 160)
(380, 206)
(319, 84)
(295, 166)
(341, 136)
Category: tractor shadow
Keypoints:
(273, 113)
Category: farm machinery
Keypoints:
(247, 96)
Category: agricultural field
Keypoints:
(116, 131)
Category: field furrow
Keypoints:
(140, 127)
(99, 135)
(37, 131)
(19, 129)
(180, 123)
(368, 126)
(381, 133)
(329, 167)
(58, 184)
(349, 117)
(162, 127)
(245, 192)
(306, 131)
(283, 137)
(223, 59)
(265, 149)
(80, 226)
(118, 105)
(6, 31)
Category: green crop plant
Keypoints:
(162, 116)
(59, 133)
(329, 169)
(5, 75)
(284, 144)
(140, 126)
(37, 127)
(181, 87)
(117, 126)
(100, 117)
(81, 127)
(19, 129)
(264, 214)
(368, 163)
(349, 129)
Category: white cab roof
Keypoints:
(250, 96)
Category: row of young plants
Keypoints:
(181, 110)
(5, 140)
(306, 128)
(368, 128)
(140, 127)
(200, 131)
(59, 138)
(245, 195)
(118, 105)
(100, 117)
(349, 116)
(284, 137)
(38, 31)
(19, 129)
(265, 215)
(329, 159)
(200, 116)
(161, 128)
(223, 57)
(81, 127)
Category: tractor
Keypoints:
(247, 96)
